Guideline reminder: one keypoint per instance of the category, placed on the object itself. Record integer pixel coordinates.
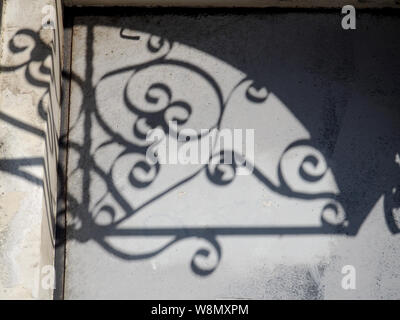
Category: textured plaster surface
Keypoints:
(239, 3)
(22, 153)
(335, 87)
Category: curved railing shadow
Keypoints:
(338, 216)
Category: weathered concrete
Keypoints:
(30, 93)
(239, 3)
(187, 232)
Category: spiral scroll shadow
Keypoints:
(104, 221)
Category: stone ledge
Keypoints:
(240, 3)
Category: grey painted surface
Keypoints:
(264, 233)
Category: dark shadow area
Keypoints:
(357, 78)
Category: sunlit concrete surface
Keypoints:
(29, 124)
(324, 106)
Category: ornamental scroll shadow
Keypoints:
(340, 214)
